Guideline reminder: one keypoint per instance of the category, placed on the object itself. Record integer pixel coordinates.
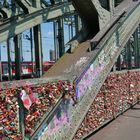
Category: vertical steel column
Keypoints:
(71, 27)
(125, 57)
(55, 40)
(69, 31)
(118, 64)
(136, 48)
(17, 40)
(13, 8)
(21, 115)
(77, 24)
(114, 67)
(38, 50)
(61, 37)
(139, 46)
(111, 7)
(21, 50)
(0, 66)
(5, 3)
(32, 59)
(129, 55)
(37, 3)
(9, 60)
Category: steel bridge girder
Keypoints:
(15, 27)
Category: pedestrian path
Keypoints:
(125, 127)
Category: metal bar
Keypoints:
(111, 7)
(38, 50)
(129, 55)
(0, 66)
(55, 40)
(136, 48)
(118, 64)
(21, 115)
(69, 31)
(23, 6)
(71, 25)
(139, 46)
(17, 40)
(77, 24)
(9, 60)
(32, 59)
(61, 37)
(46, 118)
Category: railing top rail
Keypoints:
(35, 81)
(124, 71)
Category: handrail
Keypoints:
(46, 118)
(35, 81)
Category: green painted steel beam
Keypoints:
(24, 5)
(61, 37)
(17, 45)
(129, 55)
(10, 29)
(9, 60)
(38, 50)
(136, 48)
(118, 64)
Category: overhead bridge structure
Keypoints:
(91, 56)
(19, 23)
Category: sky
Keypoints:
(47, 43)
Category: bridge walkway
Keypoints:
(125, 127)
